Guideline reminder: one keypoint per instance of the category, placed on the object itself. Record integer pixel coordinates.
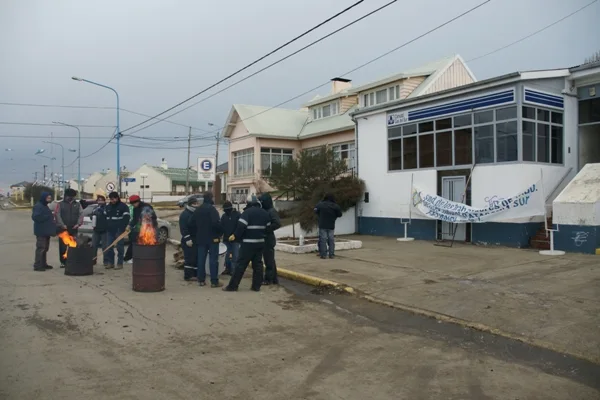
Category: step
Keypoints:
(539, 244)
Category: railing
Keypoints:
(237, 178)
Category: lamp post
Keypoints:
(143, 175)
(62, 164)
(118, 134)
(78, 154)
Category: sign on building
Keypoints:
(206, 169)
(110, 186)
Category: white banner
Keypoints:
(528, 203)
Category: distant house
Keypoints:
(19, 187)
(221, 183)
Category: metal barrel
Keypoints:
(148, 268)
(80, 261)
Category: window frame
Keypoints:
(350, 149)
(245, 154)
(550, 125)
(369, 99)
(318, 112)
(277, 151)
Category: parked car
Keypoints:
(183, 202)
(164, 227)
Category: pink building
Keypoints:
(262, 136)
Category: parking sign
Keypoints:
(206, 169)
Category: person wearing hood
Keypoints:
(188, 245)
(140, 209)
(99, 225)
(69, 217)
(327, 211)
(251, 230)
(229, 221)
(117, 218)
(44, 228)
(270, 241)
(206, 224)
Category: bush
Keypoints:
(36, 192)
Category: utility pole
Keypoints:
(45, 166)
(215, 194)
(187, 171)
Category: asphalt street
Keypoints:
(92, 337)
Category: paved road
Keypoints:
(92, 337)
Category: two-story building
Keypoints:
(260, 137)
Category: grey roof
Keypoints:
(178, 175)
(270, 121)
(583, 67)
(327, 125)
(223, 167)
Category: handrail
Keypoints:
(558, 184)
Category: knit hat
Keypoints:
(134, 198)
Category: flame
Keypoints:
(68, 240)
(147, 235)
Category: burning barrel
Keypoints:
(149, 267)
(80, 261)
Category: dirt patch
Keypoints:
(53, 326)
(339, 271)
(327, 290)
(429, 281)
(288, 304)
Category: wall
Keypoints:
(338, 137)
(156, 181)
(89, 186)
(346, 225)
(347, 102)
(409, 85)
(579, 203)
(589, 144)
(455, 75)
(104, 180)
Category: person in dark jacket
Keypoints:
(327, 211)
(140, 209)
(229, 221)
(117, 220)
(207, 225)
(44, 228)
(252, 230)
(188, 245)
(99, 224)
(69, 217)
(270, 241)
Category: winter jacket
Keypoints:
(328, 212)
(68, 214)
(117, 217)
(229, 221)
(205, 222)
(101, 224)
(43, 219)
(267, 205)
(184, 220)
(135, 223)
(252, 227)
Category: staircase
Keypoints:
(541, 241)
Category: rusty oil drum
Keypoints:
(148, 270)
(80, 261)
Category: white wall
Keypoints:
(89, 186)
(104, 180)
(156, 181)
(346, 225)
(579, 202)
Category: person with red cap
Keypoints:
(140, 208)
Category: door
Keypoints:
(453, 188)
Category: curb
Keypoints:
(319, 282)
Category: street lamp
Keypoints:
(143, 175)
(79, 150)
(62, 148)
(118, 130)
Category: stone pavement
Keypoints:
(550, 301)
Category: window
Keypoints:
(271, 159)
(324, 111)
(426, 151)
(243, 162)
(543, 140)
(484, 144)
(409, 153)
(443, 148)
(345, 152)
(506, 141)
(395, 155)
(463, 146)
(381, 96)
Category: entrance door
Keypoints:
(453, 188)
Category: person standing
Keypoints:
(270, 241)
(44, 228)
(252, 230)
(99, 225)
(129, 253)
(229, 221)
(327, 211)
(207, 225)
(140, 210)
(69, 217)
(188, 245)
(117, 218)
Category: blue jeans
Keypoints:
(326, 240)
(233, 251)
(212, 250)
(120, 246)
(100, 241)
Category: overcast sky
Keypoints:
(156, 53)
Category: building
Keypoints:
(221, 183)
(170, 183)
(89, 183)
(19, 187)
(260, 137)
(481, 143)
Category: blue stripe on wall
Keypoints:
(463, 105)
(532, 96)
(420, 229)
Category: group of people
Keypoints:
(109, 222)
(249, 238)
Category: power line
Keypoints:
(166, 148)
(272, 64)
(95, 152)
(47, 137)
(368, 62)
(534, 33)
(39, 124)
(248, 65)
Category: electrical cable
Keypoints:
(95, 152)
(248, 65)
(534, 33)
(46, 137)
(39, 124)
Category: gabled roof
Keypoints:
(323, 126)
(267, 121)
(20, 184)
(223, 167)
(177, 175)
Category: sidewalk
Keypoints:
(550, 301)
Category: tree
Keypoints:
(310, 176)
(594, 58)
(35, 191)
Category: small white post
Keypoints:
(552, 252)
(405, 238)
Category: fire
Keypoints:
(147, 235)
(68, 240)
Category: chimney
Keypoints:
(163, 164)
(340, 84)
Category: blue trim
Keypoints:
(504, 234)
(421, 229)
(532, 96)
(577, 238)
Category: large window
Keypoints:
(346, 152)
(243, 162)
(482, 137)
(542, 135)
(380, 96)
(327, 110)
(270, 159)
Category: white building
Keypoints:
(505, 133)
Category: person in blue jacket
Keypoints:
(188, 242)
(205, 222)
(44, 227)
